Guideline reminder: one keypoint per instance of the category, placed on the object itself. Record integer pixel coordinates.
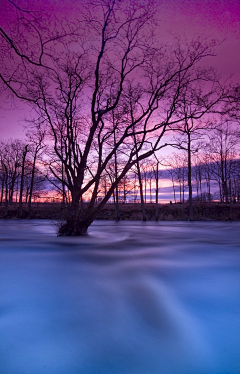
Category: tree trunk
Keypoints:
(11, 194)
(63, 196)
(150, 186)
(223, 178)
(220, 191)
(114, 199)
(135, 190)
(157, 206)
(2, 191)
(124, 191)
(190, 180)
(6, 198)
(75, 227)
(12, 184)
(22, 180)
(31, 186)
(16, 193)
(141, 192)
(117, 215)
(197, 183)
(209, 190)
(230, 190)
(145, 186)
(63, 186)
(76, 222)
(200, 186)
(174, 193)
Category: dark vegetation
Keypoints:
(208, 211)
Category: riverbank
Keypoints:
(167, 212)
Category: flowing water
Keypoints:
(129, 298)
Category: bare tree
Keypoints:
(36, 148)
(157, 191)
(206, 169)
(198, 100)
(77, 75)
(178, 174)
(22, 178)
(172, 176)
(125, 187)
(11, 156)
(223, 146)
(198, 174)
(140, 183)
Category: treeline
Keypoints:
(210, 180)
(21, 178)
(26, 176)
(213, 164)
(25, 172)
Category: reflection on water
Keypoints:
(129, 298)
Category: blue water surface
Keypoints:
(129, 298)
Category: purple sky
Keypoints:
(219, 19)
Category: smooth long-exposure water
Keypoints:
(129, 298)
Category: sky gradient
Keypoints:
(218, 19)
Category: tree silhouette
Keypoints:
(78, 75)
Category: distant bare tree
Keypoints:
(172, 176)
(223, 145)
(140, 183)
(36, 148)
(157, 191)
(24, 154)
(11, 156)
(197, 101)
(178, 174)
